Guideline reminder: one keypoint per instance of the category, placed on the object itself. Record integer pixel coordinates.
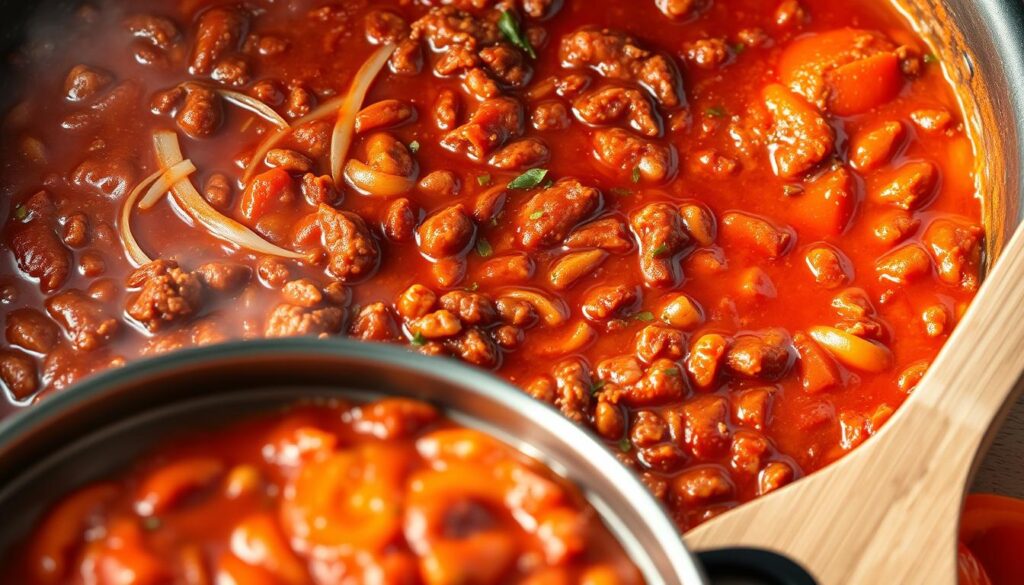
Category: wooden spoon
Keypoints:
(888, 512)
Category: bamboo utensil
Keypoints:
(888, 512)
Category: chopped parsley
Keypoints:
(474, 287)
(930, 58)
(636, 174)
(418, 339)
(20, 213)
(660, 250)
(645, 316)
(151, 523)
(738, 48)
(483, 247)
(536, 215)
(597, 386)
(529, 179)
(674, 372)
(483, 180)
(620, 192)
(414, 146)
(715, 111)
(625, 446)
(509, 26)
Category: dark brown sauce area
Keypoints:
(326, 494)
(745, 260)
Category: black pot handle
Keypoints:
(751, 566)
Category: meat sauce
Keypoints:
(386, 492)
(727, 235)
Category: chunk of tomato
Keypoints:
(266, 192)
(845, 72)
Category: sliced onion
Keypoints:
(344, 127)
(331, 106)
(371, 182)
(254, 105)
(124, 227)
(552, 312)
(168, 152)
(164, 182)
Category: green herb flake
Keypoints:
(598, 386)
(645, 316)
(414, 146)
(674, 372)
(474, 287)
(625, 446)
(620, 192)
(636, 174)
(483, 180)
(509, 26)
(715, 111)
(660, 250)
(151, 523)
(483, 247)
(418, 339)
(536, 215)
(930, 58)
(20, 213)
(738, 48)
(529, 179)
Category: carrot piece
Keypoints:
(857, 87)
(263, 193)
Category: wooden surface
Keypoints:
(888, 512)
(1002, 471)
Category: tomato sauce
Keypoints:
(727, 235)
(327, 493)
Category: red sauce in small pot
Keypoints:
(387, 492)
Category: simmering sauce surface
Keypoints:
(386, 492)
(728, 235)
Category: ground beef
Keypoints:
(617, 56)
(167, 294)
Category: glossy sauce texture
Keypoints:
(748, 229)
(386, 492)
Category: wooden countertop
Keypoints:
(1002, 470)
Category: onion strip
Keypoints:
(331, 106)
(344, 126)
(168, 152)
(247, 102)
(372, 182)
(124, 227)
(164, 182)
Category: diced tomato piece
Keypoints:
(845, 72)
(827, 204)
(864, 84)
(818, 370)
(265, 192)
(307, 231)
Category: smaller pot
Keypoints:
(102, 424)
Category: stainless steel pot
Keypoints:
(981, 46)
